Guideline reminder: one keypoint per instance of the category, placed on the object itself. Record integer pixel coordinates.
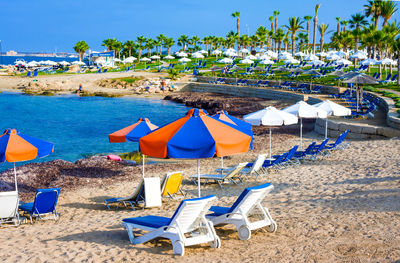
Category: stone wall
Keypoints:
(357, 131)
(335, 127)
(245, 91)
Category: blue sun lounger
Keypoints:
(44, 204)
(188, 226)
(247, 205)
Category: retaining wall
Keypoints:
(335, 127)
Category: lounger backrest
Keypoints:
(172, 183)
(8, 204)
(45, 200)
(235, 171)
(138, 190)
(321, 146)
(258, 163)
(310, 148)
(280, 158)
(249, 198)
(291, 153)
(190, 212)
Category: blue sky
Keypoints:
(46, 25)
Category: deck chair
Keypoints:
(220, 178)
(9, 208)
(44, 205)
(246, 213)
(250, 169)
(135, 198)
(171, 185)
(254, 168)
(188, 226)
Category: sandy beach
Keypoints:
(69, 83)
(344, 208)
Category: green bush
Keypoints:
(133, 156)
(173, 74)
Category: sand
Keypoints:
(344, 208)
(68, 83)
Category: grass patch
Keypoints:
(128, 80)
(133, 156)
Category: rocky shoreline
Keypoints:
(236, 106)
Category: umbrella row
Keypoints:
(194, 136)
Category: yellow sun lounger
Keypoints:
(171, 185)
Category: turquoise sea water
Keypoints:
(79, 126)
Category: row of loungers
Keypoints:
(265, 83)
(261, 166)
(366, 106)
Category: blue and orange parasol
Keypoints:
(195, 136)
(17, 147)
(133, 133)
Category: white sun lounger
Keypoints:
(136, 197)
(246, 213)
(9, 208)
(220, 178)
(187, 227)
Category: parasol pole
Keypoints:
(270, 151)
(222, 162)
(198, 176)
(143, 165)
(301, 133)
(357, 96)
(15, 177)
(326, 127)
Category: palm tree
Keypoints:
(322, 31)
(108, 43)
(388, 8)
(373, 8)
(344, 23)
(244, 41)
(303, 38)
(194, 41)
(161, 39)
(150, 44)
(286, 40)
(272, 31)
(356, 22)
(129, 45)
(254, 40)
(338, 24)
(295, 24)
(169, 42)
(307, 19)
(80, 48)
(237, 16)
(262, 35)
(391, 31)
(117, 46)
(278, 37)
(182, 41)
(276, 13)
(367, 38)
(206, 42)
(140, 41)
(396, 47)
(315, 25)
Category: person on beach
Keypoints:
(163, 86)
(79, 89)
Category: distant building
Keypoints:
(11, 53)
